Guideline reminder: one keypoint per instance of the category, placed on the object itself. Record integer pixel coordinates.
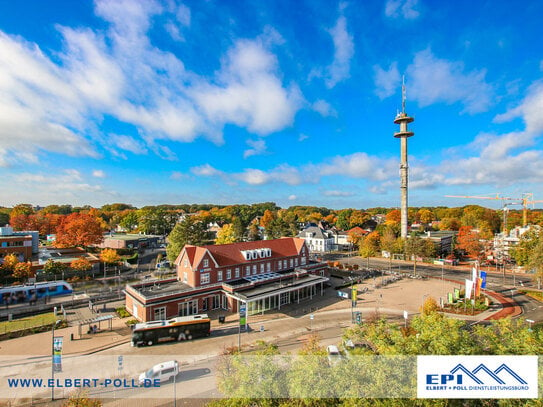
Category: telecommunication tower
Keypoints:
(403, 119)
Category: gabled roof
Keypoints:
(230, 254)
(316, 232)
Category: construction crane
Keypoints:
(504, 200)
(524, 201)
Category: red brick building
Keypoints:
(18, 243)
(262, 274)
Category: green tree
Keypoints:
(129, 221)
(523, 252)
(4, 219)
(535, 261)
(191, 231)
(53, 267)
(254, 232)
(449, 224)
(416, 247)
(343, 219)
(21, 209)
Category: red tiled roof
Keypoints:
(230, 254)
(359, 230)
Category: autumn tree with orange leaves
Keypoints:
(469, 241)
(79, 229)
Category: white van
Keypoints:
(161, 372)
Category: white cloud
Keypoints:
(402, 9)
(433, 80)
(339, 70)
(128, 143)
(323, 108)
(258, 147)
(177, 175)
(56, 104)
(283, 174)
(250, 93)
(292, 197)
(98, 174)
(66, 186)
(360, 165)
(303, 137)
(386, 82)
(337, 193)
(205, 170)
(529, 110)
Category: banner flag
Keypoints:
(469, 288)
(483, 276)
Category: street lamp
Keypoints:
(530, 322)
(53, 358)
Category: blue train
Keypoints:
(18, 294)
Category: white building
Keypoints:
(317, 239)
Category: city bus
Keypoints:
(175, 329)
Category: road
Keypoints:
(505, 284)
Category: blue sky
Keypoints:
(293, 102)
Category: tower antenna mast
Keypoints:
(403, 94)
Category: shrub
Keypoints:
(122, 312)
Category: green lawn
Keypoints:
(24, 323)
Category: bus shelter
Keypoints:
(95, 322)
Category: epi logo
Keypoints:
(477, 376)
(493, 375)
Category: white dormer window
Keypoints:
(206, 263)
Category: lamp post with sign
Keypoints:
(56, 349)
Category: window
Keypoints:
(254, 268)
(186, 263)
(291, 263)
(204, 278)
(247, 270)
(185, 277)
(219, 275)
(160, 313)
(237, 272)
(262, 267)
(279, 265)
(206, 263)
(296, 261)
(284, 264)
(228, 274)
(303, 260)
(268, 267)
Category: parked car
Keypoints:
(163, 372)
(334, 356)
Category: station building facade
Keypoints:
(263, 275)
